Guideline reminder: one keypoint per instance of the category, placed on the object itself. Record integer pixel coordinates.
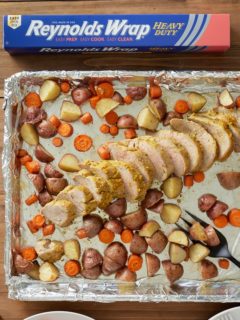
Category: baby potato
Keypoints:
(152, 263)
(196, 101)
(69, 163)
(34, 272)
(29, 134)
(69, 111)
(126, 122)
(157, 242)
(48, 250)
(178, 237)
(147, 120)
(170, 213)
(173, 271)
(49, 90)
(172, 187)
(198, 252)
(55, 185)
(177, 253)
(72, 249)
(48, 272)
(208, 269)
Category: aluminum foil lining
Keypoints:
(145, 289)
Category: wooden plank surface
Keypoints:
(13, 310)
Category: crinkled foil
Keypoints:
(146, 289)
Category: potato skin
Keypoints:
(114, 225)
(118, 97)
(157, 208)
(35, 115)
(117, 253)
(125, 274)
(91, 258)
(42, 154)
(92, 225)
(44, 197)
(229, 180)
(46, 129)
(127, 122)
(208, 269)
(217, 209)
(136, 93)
(117, 208)
(157, 242)
(159, 107)
(109, 266)
(80, 95)
(92, 273)
(138, 245)
(38, 181)
(152, 197)
(153, 264)
(22, 265)
(50, 172)
(206, 201)
(135, 220)
(173, 271)
(169, 116)
(212, 238)
(55, 185)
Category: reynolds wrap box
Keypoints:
(116, 33)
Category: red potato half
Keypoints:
(173, 271)
(206, 201)
(212, 237)
(44, 197)
(117, 253)
(149, 228)
(197, 232)
(125, 274)
(117, 208)
(55, 185)
(42, 154)
(152, 263)
(109, 266)
(217, 209)
(208, 269)
(92, 224)
(92, 273)
(135, 220)
(91, 258)
(114, 225)
(229, 180)
(46, 129)
(152, 198)
(51, 172)
(38, 181)
(136, 93)
(158, 207)
(157, 242)
(138, 245)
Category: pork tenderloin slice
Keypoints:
(98, 186)
(134, 156)
(196, 131)
(219, 132)
(60, 212)
(188, 143)
(161, 161)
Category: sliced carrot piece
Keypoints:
(106, 236)
(223, 263)
(48, 229)
(188, 181)
(105, 90)
(32, 166)
(21, 153)
(31, 199)
(81, 233)
(32, 99)
(57, 141)
(29, 253)
(198, 176)
(55, 121)
(25, 159)
(105, 128)
(221, 221)
(111, 117)
(135, 263)
(65, 87)
(234, 217)
(93, 101)
(83, 143)
(130, 133)
(114, 130)
(181, 106)
(155, 92)
(104, 153)
(86, 118)
(72, 268)
(128, 99)
(126, 236)
(39, 221)
(65, 129)
(32, 227)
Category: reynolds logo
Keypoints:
(112, 28)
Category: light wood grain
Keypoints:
(13, 310)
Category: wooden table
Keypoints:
(13, 310)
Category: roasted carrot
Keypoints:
(48, 229)
(82, 143)
(55, 121)
(105, 128)
(32, 227)
(223, 263)
(188, 181)
(105, 90)
(130, 133)
(234, 217)
(65, 129)
(32, 99)
(155, 92)
(106, 236)
(181, 106)
(22, 153)
(31, 199)
(39, 221)
(65, 87)
(126, 236)
(198, 176)
(238, 102)
(135, 262)
(81, 233)
(86, 118)
(127, 99)
(57, 141)
(113, 130)
(93, 101)
(29, 253)
(32, 166)
(103, 152)
(72, 268)
(221, 221)
(25, 159)
(111, 117)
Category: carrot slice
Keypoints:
(126, 236)
(29, 253)
(130, 133)
(234, 217)
(106, 236)
(32, 227)
(188, 181)
(48, 229)
(155, 92)
(221, 221)
(128, 99)
(81, 233)
(82, 143)
(72, 268)
(31, 199)
(39, 221)
(198, 176)
(86, 118)
(181, 106)
(105, 90)
(135, 262)
(32, 99)
(104, 153)
(238, 102)
(223, 263)
(105, 128)
(25, 159)
(93, 101)
(55, 121)
(114, 130)
(111, 117)
(57, 142)
(65, 129)
(65, 87)
(32, 166)
(21, 153)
